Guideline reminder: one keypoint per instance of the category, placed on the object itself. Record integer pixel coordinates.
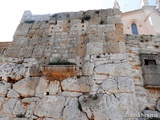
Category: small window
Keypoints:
(134, 29)
(149, 62)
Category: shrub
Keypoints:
(97, 11)
(29, 21)
(61, 62)
(86, 17)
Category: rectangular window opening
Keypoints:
(149, 62)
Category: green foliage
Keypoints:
(97, 11)
(29, 21)
(20, 116)
(86, 17)
(101, 22)
(55, 15)
(61, 62)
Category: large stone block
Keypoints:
(119, 69)
(50, 106)
(87, 68)
(12, 72)
(82, 85)
(118, 85)
(114, 47)
(29, 84)
(94, 48)
(26, 51)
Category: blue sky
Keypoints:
(11, 11)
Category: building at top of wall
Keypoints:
(143, 21)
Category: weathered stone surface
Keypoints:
(12, 71)
(71, 111)
(94, 48)
(158, 105)
(88, 68)
(34, 71)
(29, 84)
(115, 106)
(121, 69)
(72, 94)
(6, 118)
(12, 93)
(118, 85)
(50, 106)
(41, 87)
(4, 86)
(54, 87)
(84, 84)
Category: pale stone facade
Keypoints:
(147, 19)
(109, 75)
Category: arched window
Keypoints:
(134, 29)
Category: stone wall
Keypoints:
(135, 46)
(104, 87)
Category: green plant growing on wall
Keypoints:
(97, 11)
(29, 21)
(55, 15)
(86, 17)
(20, 116)
(59, 61)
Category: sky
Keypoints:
(11, 11)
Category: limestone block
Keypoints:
(33, 33)
(19, 108)
(12, 71)
(8, 107)
(38, 51)
(13, 94)
(158, 105)
(13, 52)
(20, 41)
(113, 20)
(114, 106)
(72, 94)
(87, 68)
(26, 51)
(106, 28)
(94, 48)
(71, 111)
(120, 69)
(30, 109)
(46, 105)
(41, 89)
(34, 71)
(29, 84)
(114, 47)
(142, 95)
(81, 49)
(30, 99)
(21, 32)
(33, 41)
(2, 100)
(4, 86)
(81, 85)
(20, 119)
(54, 87)
(6, 118)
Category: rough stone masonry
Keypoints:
(109, 84)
